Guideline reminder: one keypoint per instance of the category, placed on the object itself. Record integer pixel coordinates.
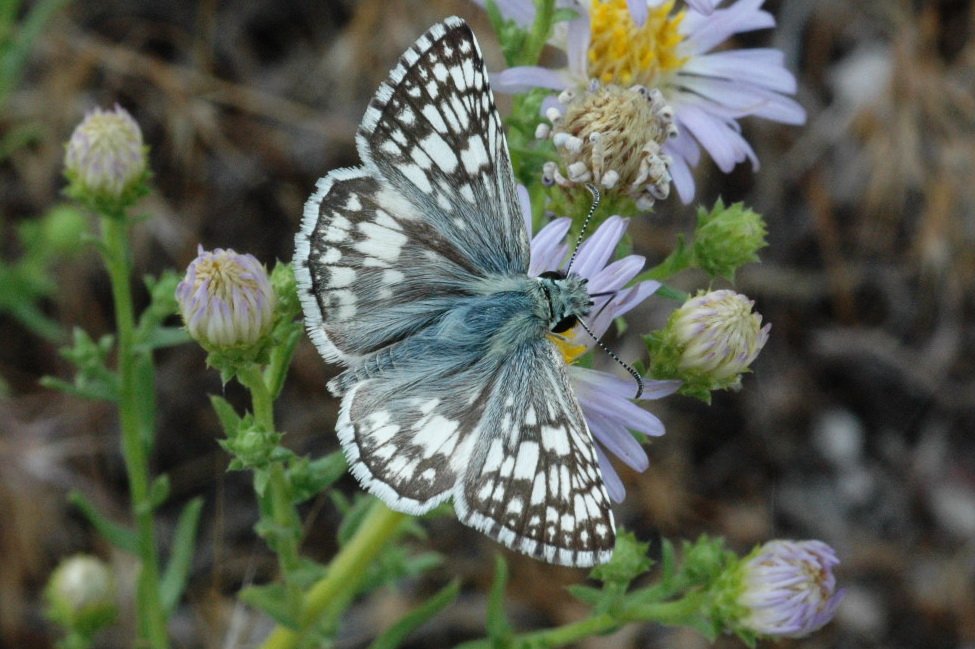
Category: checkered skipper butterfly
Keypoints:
(413, 273)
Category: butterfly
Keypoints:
(413, 274)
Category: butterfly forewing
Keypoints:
(433, 131)
(412, 272)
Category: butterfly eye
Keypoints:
(565, 324)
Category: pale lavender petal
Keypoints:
(685, 147)
(680, 174)
(524, 200)
(764, 67)
(595, 399)
(718, 137)
(705, 7)
(623, 388)
(616, 439)
(519, 11)
(548, 247)
(638, 11)
(620, 304)
(599, 248)
(616, 275)
(705, 32)
(614, 486)
(526, 77)
(734, 99)
(577, 46)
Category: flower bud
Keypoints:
(727, 238)
(783, 589)
(708, 343)
(226, 301)
(105, 160)
(613, 137)
(81, 594)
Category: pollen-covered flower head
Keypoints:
(105, 158)
(660, 44)
(612, 136)
(226, 300)
(787, 589)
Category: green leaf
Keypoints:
(394, 635)
(498, 627)
(229, 419)
(159, 491)
(309, 478)
(17, 49)
(162, 337)
(181, 555)
(121, 537)
(586, 594)
(274, 599)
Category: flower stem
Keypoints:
(345, 572)
(151, 614)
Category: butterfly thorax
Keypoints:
(565, 299)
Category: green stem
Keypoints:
(540, 29)
(261, 399)
(345, 573)
(675, 613)
(152, 616)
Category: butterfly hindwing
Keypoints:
(533, 481)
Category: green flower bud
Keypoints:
(105, 160)
(252, 447)
(81, 595)
(727, 238)
(227, 302)
(708, 343)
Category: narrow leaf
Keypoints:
(395, 634)
(181, 555)
(229, 419)
(119, 536)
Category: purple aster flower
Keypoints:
(606, 400)
(788, 589)
(625, 43)
(105, 156)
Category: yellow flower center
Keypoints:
(620, 52)
(570, 351)
(223, 275)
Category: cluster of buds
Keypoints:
(613, 137)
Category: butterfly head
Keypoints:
(566, 297)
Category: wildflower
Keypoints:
(614, 137)
(709, 342)
(81, 594)
(785, 589)
(606, 400)
(670, 50)
(226, 300)
(105, 159)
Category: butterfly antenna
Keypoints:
(585, 224)
(636, 375)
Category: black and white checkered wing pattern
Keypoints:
(533, 481)
(432, 131)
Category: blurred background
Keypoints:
(856, 426)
